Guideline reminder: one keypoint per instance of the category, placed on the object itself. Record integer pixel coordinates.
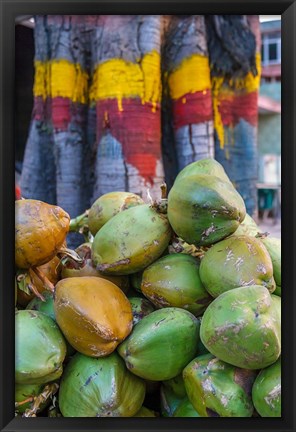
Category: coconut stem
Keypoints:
(70, 253)
(262, 235)
(46, 282)
(18, 404)
(161, 206)
(36, 292)
(80, 223)
(164, 191)
(24, 283)
(179, 246)
(49, 390)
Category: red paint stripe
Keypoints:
(60, 111)
(192, 108)
(236, 107)
(61, 115)
(137, 128)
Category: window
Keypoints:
(271, 48)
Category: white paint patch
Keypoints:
(233, 327)
(246, 283)
(224, 400)
(238, 263)
(138, 185)
(251, 249)
(273, 395)
(207, 385)
(208, 231)
(230, 255)
(237, 304)
(261, 269)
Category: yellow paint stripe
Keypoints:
(118, 79)
(224, 88)
(217, 83)
(192, 75)
(247, 84)
(61, 78)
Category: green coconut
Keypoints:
(234, 262)
(108, 205)
(247, 227)
(131, 240)
(140, 308)
(169, 401)
(185, 409)
(242, 327)
(266, 392)
(218, 389)
(40, 348)
(201, 349)
(24, 396)
(161, 344)
(43, 306)
(277, 301)
(201, 167)
(274, 247)
(100, 387)
(176, 385)
(174, 281)
(47, 307)
(278, 291)
(204, 209)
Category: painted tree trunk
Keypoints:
(127, 91)
(188, 84)
(62, 64)
(70, 62)
(38, 178)
(235, 71)
(120, 99)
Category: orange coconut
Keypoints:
(93, 314)
(40, 231)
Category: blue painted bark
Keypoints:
(239, 159)
(38, 179)
(233, 42)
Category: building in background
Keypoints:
(269, 129)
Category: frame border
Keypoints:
(9, 9)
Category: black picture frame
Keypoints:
(9, 10)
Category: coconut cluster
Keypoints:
(166, 309)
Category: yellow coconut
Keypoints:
(93, 314)
(40, 231)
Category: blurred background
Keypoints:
(265, 184)
(269, 130)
